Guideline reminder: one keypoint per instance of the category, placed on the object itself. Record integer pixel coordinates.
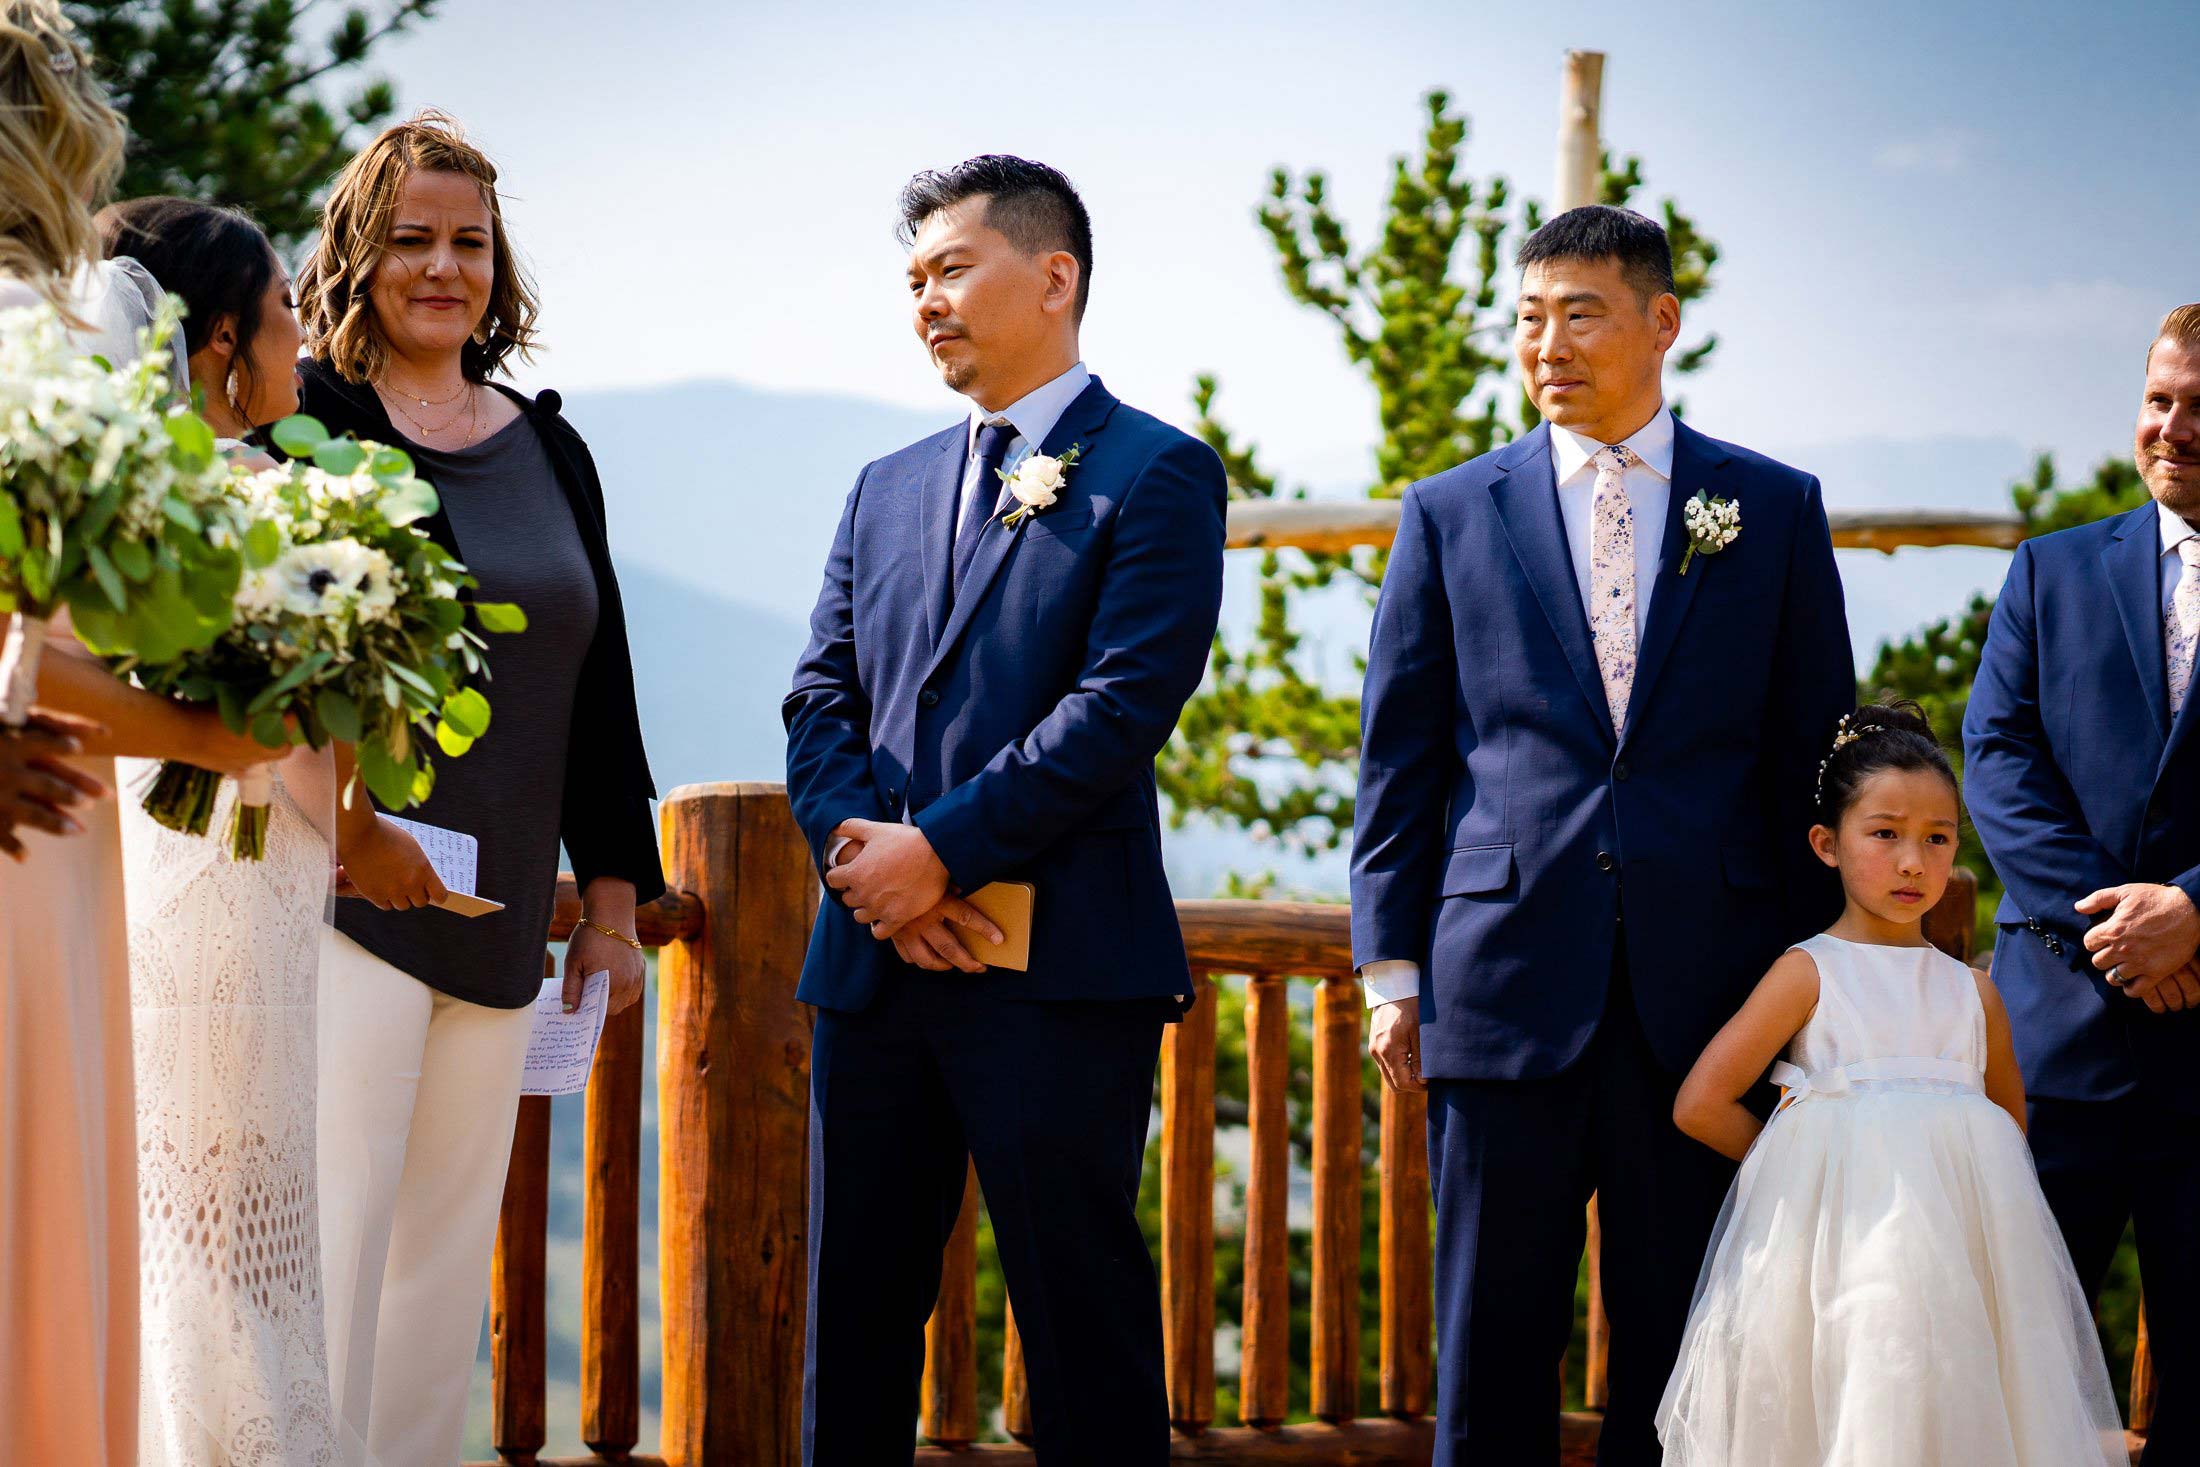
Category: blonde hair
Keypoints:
(2181, 326)
(60, 147)
(334, 300)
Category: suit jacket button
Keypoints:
(1620, 771)
(1605, 861)
(930, 698)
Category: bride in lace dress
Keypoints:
(224, 971)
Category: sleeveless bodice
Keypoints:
(1886, 1015)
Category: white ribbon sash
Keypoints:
(1833, 1083)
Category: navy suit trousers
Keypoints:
(1051, 1101)
(2105, 1163)
(1514, 1163)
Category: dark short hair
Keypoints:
(217, 261)
(1032, 205)
(1601, 232)
(1872, 740)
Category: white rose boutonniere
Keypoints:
(1712, 525)
(1036, 484)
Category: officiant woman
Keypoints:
(413, 303)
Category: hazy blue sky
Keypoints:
(1954, 220)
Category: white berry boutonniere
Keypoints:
(1712, 525)
(1036, 484)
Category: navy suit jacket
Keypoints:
(2077, 780)
(1018, 719)
(1503, 830)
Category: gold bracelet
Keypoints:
(613, 932)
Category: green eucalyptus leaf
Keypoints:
(468, 712)
(110, 579)
(262, 543)
(269, 729)
(132, 559)
(390, 780)
(409, 500)
(11, 529)
(191, 434)
(339, 456)
(338, 714)
(451, 741)
(500, 616)
(298, 436)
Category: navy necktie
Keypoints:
(985, 492)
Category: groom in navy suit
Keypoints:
(1014, 611)
(2083, 778)
(1587, 763)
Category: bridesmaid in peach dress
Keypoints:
(68, 1149)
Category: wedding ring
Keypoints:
(2116, 975)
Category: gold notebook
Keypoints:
(1009, 904)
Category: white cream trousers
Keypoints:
(419, 1092)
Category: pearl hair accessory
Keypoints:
(63, 61)
(1844, 734)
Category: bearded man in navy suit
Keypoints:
(1013, 614)
(1590, 736)
(2083, 778)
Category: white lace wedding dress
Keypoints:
(223, 974)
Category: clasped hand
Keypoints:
(889, 877)
(2146, 944)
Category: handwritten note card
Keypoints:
(563, 1047)
(456, 857)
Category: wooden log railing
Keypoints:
(732, 1105)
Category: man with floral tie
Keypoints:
(1606, 662)
(2083, 778)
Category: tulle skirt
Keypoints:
(1887, 1288)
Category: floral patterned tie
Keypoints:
(1612, 579)
(2181, 629)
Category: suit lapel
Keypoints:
(2133, 563)
(1526, 496)
(1695, 460)
(1084, 418)
(939, 491)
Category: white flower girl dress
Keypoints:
(1886, 1286)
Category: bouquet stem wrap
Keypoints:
(182, 799)
(19, 658)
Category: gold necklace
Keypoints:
(463, 384)
(426, 430)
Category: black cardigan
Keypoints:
(604, 817)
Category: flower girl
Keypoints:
(1885, 1287)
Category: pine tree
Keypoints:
(227, 103)
(1265, 746)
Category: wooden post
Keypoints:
(1188, 1211)
(1580, 156)
(733, 1111)
(1336, 1333)
(611, 1217)
(949, 1409)
(1264, 1385)
(1015, 1385)
(1596, 1388)
(516, 1326)
(2143, 1381)
(1408, 1301)
(1951, 924)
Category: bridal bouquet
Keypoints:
(349, 625)
(113, 503)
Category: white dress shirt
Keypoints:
(1649, 486)
(1033, 415)
(2176, 530)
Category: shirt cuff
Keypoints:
(1391, 980)
(832, 852)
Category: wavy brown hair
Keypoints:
(60, 144)
(334, 303)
